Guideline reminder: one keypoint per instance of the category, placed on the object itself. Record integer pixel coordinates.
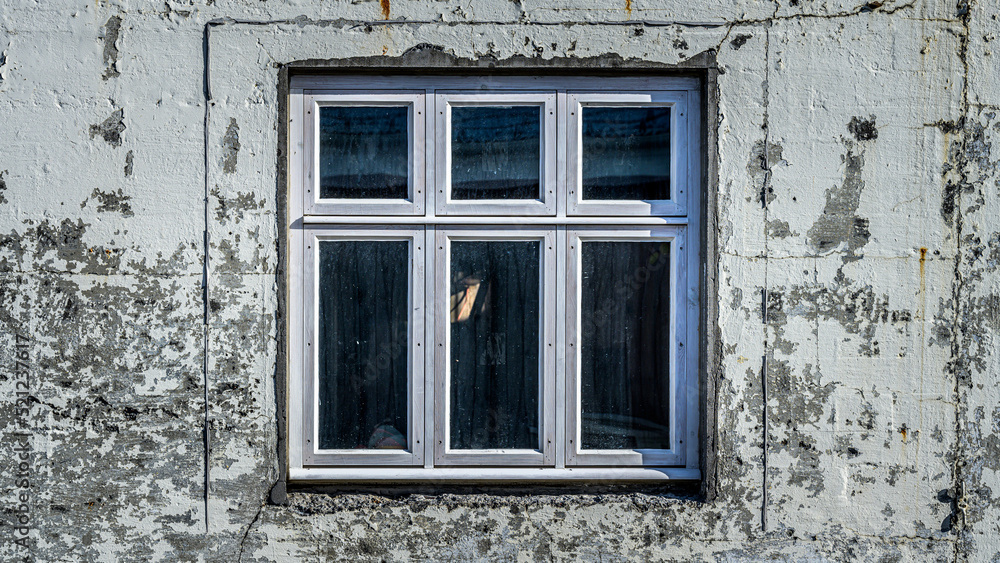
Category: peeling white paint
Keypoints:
(880, 429)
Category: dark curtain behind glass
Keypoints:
(626, 153)
(625, 344)
(363, 344)
(495, 152)
(494, 344)
(363, 152)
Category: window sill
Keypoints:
(460, 474)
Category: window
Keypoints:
(493, 278)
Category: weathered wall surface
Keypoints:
(858, 188)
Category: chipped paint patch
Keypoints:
(759, 166)
(3, 65)
(839, 228)
(115, 201)
(110, 129)
(863, 129)
(231, 147)
(112, 29)
(776, 228)
(740, 40)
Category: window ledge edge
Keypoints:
(459, 474)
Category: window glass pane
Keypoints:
(363, 344)
(494, 344)
(626, 153)
(495, 152)
(624, 345)
(363, 152)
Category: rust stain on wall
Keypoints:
(385, 8)
(628, 8)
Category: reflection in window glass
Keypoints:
(626, 153)
(495, 152)
(363, 344)
(624, 345)
(494, 320)
(363, 152)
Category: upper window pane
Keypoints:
(364, 152)
(495, 152)
(495, 299)
(626, 153)
(363, 344)
(624, 345)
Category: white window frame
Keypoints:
(680, 124)
(544, 454)
(683, 313)
(546, 205)
(413, 203)
(430, 220)
(414, 454)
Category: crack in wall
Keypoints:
(246, 533)
(958, 502)
(870, 8)
(765, 194)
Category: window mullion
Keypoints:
(562, 153)
(431, 150)
(560, 378)
(549, 346)
(430, 346)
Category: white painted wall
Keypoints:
(880, 256)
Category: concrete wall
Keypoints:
(867, 129)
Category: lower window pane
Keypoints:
(363, 344)
(624, 345)
(494, 344)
